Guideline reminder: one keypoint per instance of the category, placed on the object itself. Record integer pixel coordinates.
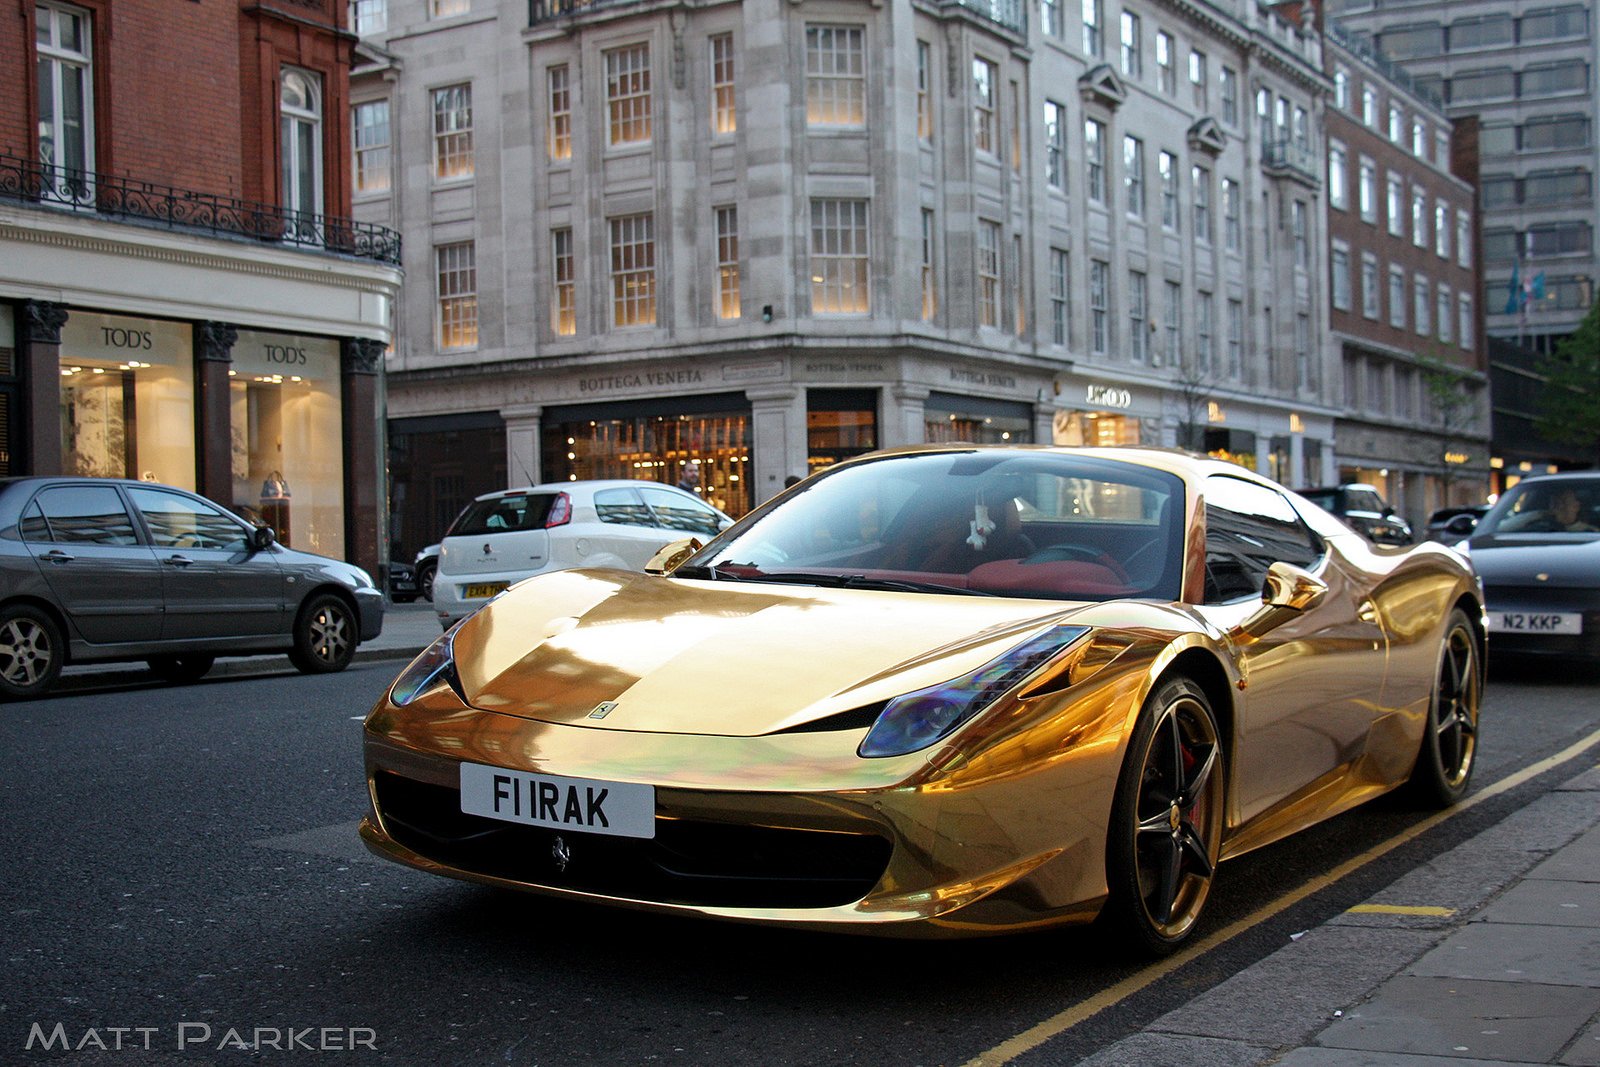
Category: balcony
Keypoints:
(1288, 159)
(1007, 13)
(25, 181)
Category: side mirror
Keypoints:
(262, 538)
(1287, 592)
(1461, 525)
(668, 559)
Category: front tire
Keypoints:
(425, 582)
(183, 669)
(1450, 739)
(32, 652)
(325, 636)
(1166, 820)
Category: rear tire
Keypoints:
(32, 652)
(325, 636)
(1166, 821)
(425, 581)
(1450, 738)
(180, 670)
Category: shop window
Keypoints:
(948, 418)
(1096, 429)
(288, 440)
(127, 399)
(437, 466)
(10, 395)
(840, 423)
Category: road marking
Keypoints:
(1038, 1034)
(1428, 910)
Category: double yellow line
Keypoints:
(1037, 1035)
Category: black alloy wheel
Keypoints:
(1166, 820)
(32, 652)
(1450, 741)
(325, 636)
(180, 669)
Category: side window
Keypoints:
(86, 515)
(181, 522)
(1248, 528)
(33, 527)
(622, 507)
(678, 511)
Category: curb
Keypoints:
(95, 676)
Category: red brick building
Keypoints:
(183, 296)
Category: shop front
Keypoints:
(1105, 414)
(437, 466)
(840, 423)
(10, 393)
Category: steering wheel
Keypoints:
(1058, 553)
(766, 555)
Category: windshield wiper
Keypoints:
(861, 581)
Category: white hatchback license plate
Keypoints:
(1535, 622)
(618, 809)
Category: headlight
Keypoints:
(917, 720)
(437, 663)
(362, 579)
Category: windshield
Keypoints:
(1565, 506)
(1017, 524)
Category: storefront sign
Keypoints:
(124, 341)
(1108, 396)
(640, 381)
(753, 372)
(830, 367)
(292, 356)
(1457, 457)
(967, 377)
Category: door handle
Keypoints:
(178, 561)
(55, 555)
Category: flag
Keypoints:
(1514, 297)
(1536, 287)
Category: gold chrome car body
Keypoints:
(741, 704)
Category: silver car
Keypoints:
(101, 569)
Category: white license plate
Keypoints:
(617, 809)
(1535, 622)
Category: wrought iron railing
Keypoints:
(1008, 13)
(1291, 155)
(545, 10)
(1363, 48)
(153, 204)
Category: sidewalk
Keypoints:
(1489, 955)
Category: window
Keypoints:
(1397, 199)
(1463, 238)
(1419, 138)
(1302, 246)
(727, 221)
(370, 146)
(1138, 316)
(1204, 356)
(1338, 177)
(984, 135)
(1235, 365)
(1099, 310)
(1172, 352)
(1198, 80)
(924, 92)
(1420, 313)
(1302, 129)
(1264, 116)
(1341, 89)
(1229, 82)
(1059, 310)
(1441, 229)
(1341, 277)
(1055, 132)
(368, 17)
(930, 293)
(179, 522)
(560, 134)
(1397, 298)
(1306, 377)
(1132, 47)
(1557, 186)
(1093, 31)
(628, 94)
(66, 98)
(458, 295)
(1484, 31)
(1548, 134)
(1553, 23)
(1559, 239)
(1020, 308)
(1553, 79)
(1441, 146)
(1419, 218)
(1493, 83)
(1166, 69)
(1465, 324)
(1369, 286)
(1369, 107)
(1444, 313)
(1397, 124)
(1094, 150)
(452, 133)
(1050, 18)
(1133, 175)
(1200, 190)
(1014, 120)
(839, 257)
(300, 128)
(1232, 228)
(445, 8)
(988, 273)
(1167, 165)
(565, 309)
(633, 270)
(836, 80)
(1501, 246)
(724, 109)
(80, 515)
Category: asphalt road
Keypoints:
(181, 863)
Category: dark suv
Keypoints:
(1364, 510)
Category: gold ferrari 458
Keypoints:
(945, 690)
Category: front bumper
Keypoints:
(369, 606)
(1535, 601)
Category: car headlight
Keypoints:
(916, 720)
(437, 663)
(362, 579)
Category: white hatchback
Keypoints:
(502, 538)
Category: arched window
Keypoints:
(300, 124)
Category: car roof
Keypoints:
(589, 485)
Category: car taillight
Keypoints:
(560, 511)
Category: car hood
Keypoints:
(680, 656)
(1519, 559)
